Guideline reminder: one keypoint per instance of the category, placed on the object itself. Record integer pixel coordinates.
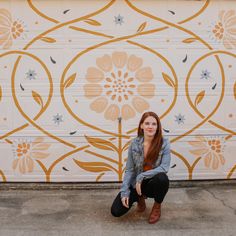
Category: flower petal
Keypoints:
(215, 163)
(15, 163)
(99, 105)
(207, 160)
(119, 59)
(104, 63)
(37, 141)
(41, 146)
(127, 112)
(222, 159)
(221, 14)
(134, 63)
(231, 22)
(232, 31)
(144, 74)
(22, 167)
(199, 152)
(92, 90)
(228, 15)
(146, 90)
(8, 43)
(5, 17)
(30, 164)
(94, 75)
(227, 43)
(140, 104)
(39, 155)
(112, 112)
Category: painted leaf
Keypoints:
(92, 22)
(70, 80)
(99, 176)
(126, 146)
(235, 90)
(101, 144)
(37, 98)
(0, 93)
(48, 40)
(189, 40)
(141, 27)
(94, 166)
(199, 97)
(168, 80)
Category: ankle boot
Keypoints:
(141, 204)
(155, 213)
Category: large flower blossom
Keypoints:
(210, 149)
(225, 29)
(9, 29)
(26, 152)
(119, 86)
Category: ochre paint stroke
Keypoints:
(189, 167)
(222, 92)
(3, 176)
(40, 13)
(49, 170)
(68, 23)
(231, 172)
(219, 102)
(49, 97)
(167, 23)
(14, 131)
(146, 32)
(101, 156)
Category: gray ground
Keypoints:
(201, 210)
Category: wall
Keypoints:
(75, 77)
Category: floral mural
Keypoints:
(75, 81)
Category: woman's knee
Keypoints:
(162, 178)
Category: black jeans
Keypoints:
(156, 188)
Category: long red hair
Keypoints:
(157, 141)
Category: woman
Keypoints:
(146, 168)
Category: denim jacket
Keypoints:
(134, 165)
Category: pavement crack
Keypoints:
(222, 201)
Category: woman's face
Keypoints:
(149, 126)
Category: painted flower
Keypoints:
(119, 86)
(205, 74)
(57, 119)
(31, 74)
(225, 29)
(179, 119)
(119, 20)
(26, 152)
(9, 29)
(211, 149)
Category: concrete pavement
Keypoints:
(201, 210)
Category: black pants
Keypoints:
(156, 188)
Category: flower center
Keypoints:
(16, 29)
(215, 145)
(119, 86)
(218, 31)
(22, 149)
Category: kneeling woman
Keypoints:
(146, 168)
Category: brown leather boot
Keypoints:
(155, 213)
(141, 204)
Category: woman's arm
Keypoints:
(163, 167)
(129, 173)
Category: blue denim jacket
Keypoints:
(134, 165)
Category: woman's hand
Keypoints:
(138, 188)
(125, 201)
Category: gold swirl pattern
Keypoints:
(74, 84)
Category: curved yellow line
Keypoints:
(167, 23)
(3, 176)
(40, 13)
(231, 172)
(14, 131)
(49, 96)
(69, 22)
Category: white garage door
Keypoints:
(75, 77)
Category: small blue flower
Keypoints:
(179, 119)
(119, 20)
(31, 75)
(57, 119)
(205, 74)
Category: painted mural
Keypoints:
(76, 76)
